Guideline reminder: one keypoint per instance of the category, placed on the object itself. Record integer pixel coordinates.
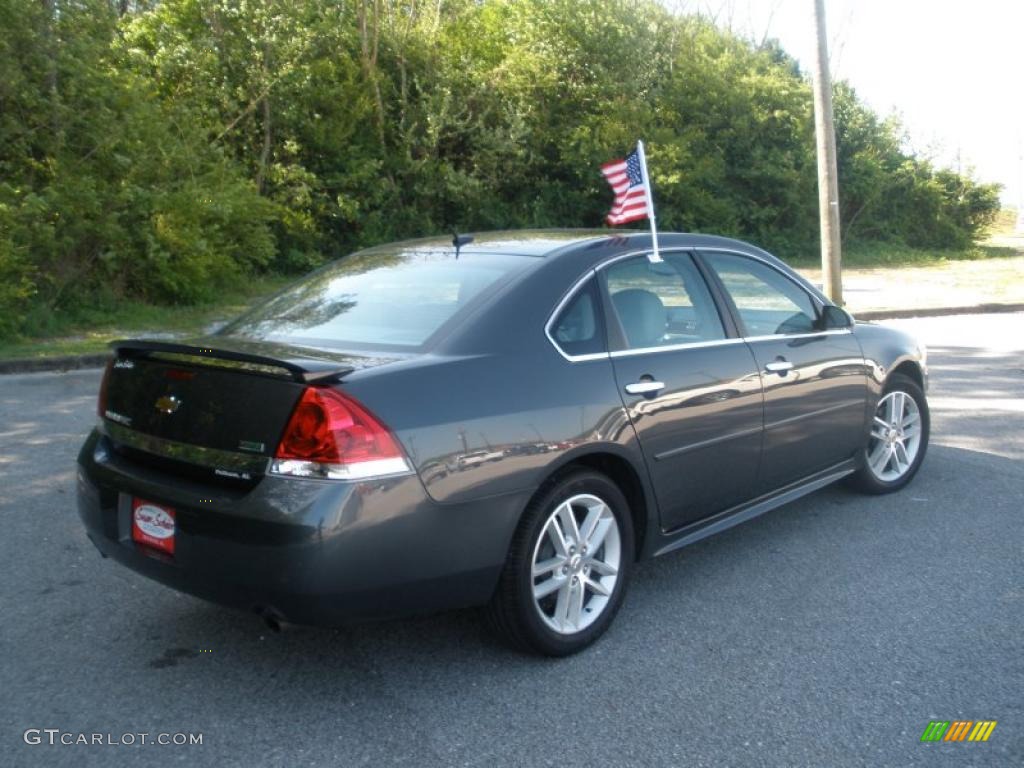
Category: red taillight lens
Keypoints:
(330, 429)
(101, 401)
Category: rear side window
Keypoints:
(579, 327)
(767, 301)
(396, 298)
(662, 304)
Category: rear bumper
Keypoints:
(308, 551)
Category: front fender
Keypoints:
(885, 350)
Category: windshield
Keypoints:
(382, 298)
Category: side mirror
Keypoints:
(833, 317)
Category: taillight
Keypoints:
(332, 436)
(101, 401)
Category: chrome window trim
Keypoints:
(592, 272)
(200, 456)
(725, 342)
(718, 249)
(675, 347)
(779, 336)
(569, 296)
(246, 466)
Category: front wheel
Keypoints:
(568, 567)
(898, 438)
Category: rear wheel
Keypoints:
(568, 567)
(898, 438)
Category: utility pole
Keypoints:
(1019, 229)
(828, 183)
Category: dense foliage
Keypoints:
(160, 149)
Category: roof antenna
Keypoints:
(460, 240)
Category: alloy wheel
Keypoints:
(576, 563)
(895, 437)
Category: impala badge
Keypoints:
(168, 404)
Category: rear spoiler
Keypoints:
(303, 370)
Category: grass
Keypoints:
(1001, 241)
(89, 330)
(946, 284)
(1005, 223)
(876, 277)
(881, 255)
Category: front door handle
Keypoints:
(778, 366)
(645, 387)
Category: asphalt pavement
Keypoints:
(827, 633)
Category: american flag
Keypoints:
(632, 202)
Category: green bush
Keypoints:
(166, 153)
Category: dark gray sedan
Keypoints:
(510, 422)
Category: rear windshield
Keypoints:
(392, 299)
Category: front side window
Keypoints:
(579, 328)
(662, 304)
(768, 302)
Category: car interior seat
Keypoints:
(643, 317)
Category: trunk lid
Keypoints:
(213, 408)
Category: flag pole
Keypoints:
(655, 255)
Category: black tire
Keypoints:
(512, 613)
(865, 480)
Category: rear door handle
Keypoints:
(778, 366)
(645, 387)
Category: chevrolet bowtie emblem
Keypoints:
(168, 404)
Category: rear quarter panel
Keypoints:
(497, 409)
(495, 424)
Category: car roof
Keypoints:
(546, 242)
(514, 242)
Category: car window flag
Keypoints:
(633, 200)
